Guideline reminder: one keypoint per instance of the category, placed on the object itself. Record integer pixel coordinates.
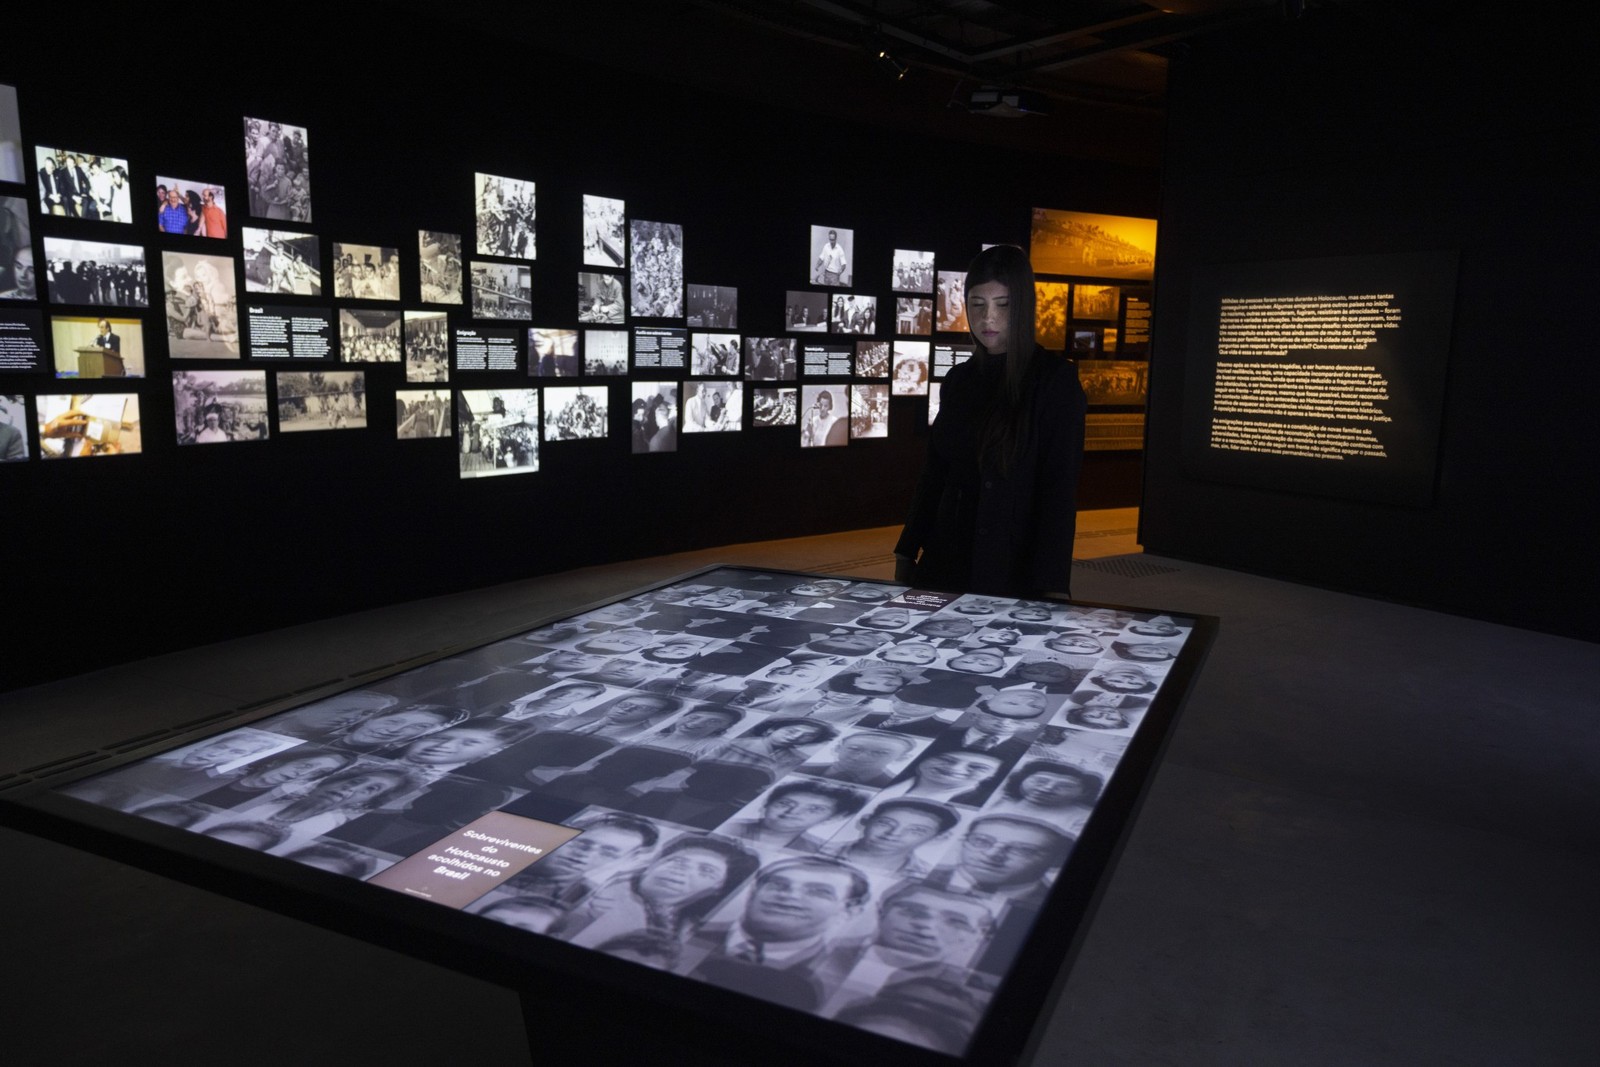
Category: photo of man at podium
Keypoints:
(98, 348)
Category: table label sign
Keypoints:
(460, 868)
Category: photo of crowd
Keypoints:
(913, 271)
(498, 431)
(1095, 301)
(370, 335)
(854, 313)
(818, 792)
(439, 264)
(201, 306)
(93, 272)
(278, 165)
(872, 359)
(80, 185)
(427, 336)
(501, 291)
(420, 414)
(366, 272)
(190, 208)
(1114, 381)
(506, 210)
(573, 413)
(657, 266)
(219, 406)
(869, 411)
(774, 407)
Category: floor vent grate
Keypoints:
(1124, 566)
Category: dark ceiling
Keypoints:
(1090, 75)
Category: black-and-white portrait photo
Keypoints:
(911, 368)
(421, 414)
(501, 291)
(321, 400)
(81, 185)
(854, 313)
(439, 264)
(10, 135)
(872, 359)
(427, 346)
(805, 312)
(219, 406)
(605, 231)
(654, 413)
(824, 416)
(913, 271)
(770, 359)
(201, 305)
(656, 258)
(950, 302)
(714, 355)
(94, 272)
(506, 210)
(191, 208)
(600, 297)
(869, 411)
(605, 352)
(553, 353)
(277, 160)
(832, 256)
(575, 413)
(281, 261)
(18, 278)
(913, 315)
(13, 424)
(713, 307)
(498, 431)
(366, 272)
(713, 407)
(774, 406)
(370, 335)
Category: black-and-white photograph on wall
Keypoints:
(713, 406)
(854, 313)
(191, 208)
(282, 261)
(552, 353)
(10, 136)
(18, 278)
(202, 309)
(605, 352)
(501, 291)
(219, 406)
(656, 258)
(934, 389)
(913, 271)
(600, 297)
(911, 368)
(321, 400)
(507, 211)
(370, 335)
(277, 161)
(575, 413)
(770, 359)
(872, 359)
(950, 302)
(427, 346)
(824, 419)
(771, 406)
(869, 411)
(13, 422)
(83, 185)
(713, 307)
(366, 272)
(805, 312)
(605, 231)
(714, 355)
(439, 266)
(913, 315)
(94, 272)
(498, 431)
(420, 414)
(832, 256)
(654, 414)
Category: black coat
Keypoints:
(979, 531)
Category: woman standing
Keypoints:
(996, 508)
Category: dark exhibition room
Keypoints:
(1051, 549)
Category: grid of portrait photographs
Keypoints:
(439, 264)
(82, 185)
(89, 347)
(656, 262)
(79, 425)
(605, 231)
(370, 335)
(574, 413)
(421, 413)
(844, 797)
(498, 431)
(365, 272)
(219, 406)
(507, 211)
(95, 272)
(654, 412)
(321, 400)
(277, 160)
(191, 208)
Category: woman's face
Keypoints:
(879, 680)
(686, 875)
(357, 789)
(796, 673)
(453, 746)
(795, 734)
(989, 315)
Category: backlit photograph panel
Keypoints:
(277, 161)
(191, 208)
(497, 431)
(202, 310)
(507, 211)
(89, 347)
(95, 272)
(83, 185)
(219, 406)
(79, 425)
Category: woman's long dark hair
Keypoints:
(1008, 418)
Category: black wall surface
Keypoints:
(1373, 128)
(183, 546)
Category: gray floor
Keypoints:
(1375, 839)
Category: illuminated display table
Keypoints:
(744, 816)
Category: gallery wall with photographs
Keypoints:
(1374, 374)
(369, 318)
(848, 798)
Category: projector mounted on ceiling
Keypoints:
(1002, 103)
